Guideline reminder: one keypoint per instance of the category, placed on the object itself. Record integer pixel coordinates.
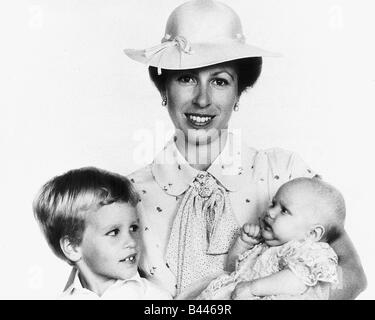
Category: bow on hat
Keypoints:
(167, 42)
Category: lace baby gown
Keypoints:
(315, 263)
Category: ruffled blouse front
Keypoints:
(202, 230)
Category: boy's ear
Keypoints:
(317, 232)
(71, 251)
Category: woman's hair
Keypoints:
(248, 69)
(63, 202)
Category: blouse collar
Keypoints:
(231, 168)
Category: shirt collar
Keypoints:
(231, 168)
(74, 283)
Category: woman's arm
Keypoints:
(284, 282)
(353, 279)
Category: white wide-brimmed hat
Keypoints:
(199, 33)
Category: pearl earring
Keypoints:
(236, 107)
(164, 101)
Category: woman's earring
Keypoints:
(236, 107)
(164, 101)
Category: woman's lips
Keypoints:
(199, 120)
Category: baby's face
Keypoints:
(290, 215)
(110, 246)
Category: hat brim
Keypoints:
(201, 55)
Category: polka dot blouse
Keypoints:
(249, 177)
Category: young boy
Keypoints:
(90, 220)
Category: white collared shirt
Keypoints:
(250, 177)
(134, 288)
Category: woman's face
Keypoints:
(201, 101)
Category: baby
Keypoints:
(90, 220)
(287, 255)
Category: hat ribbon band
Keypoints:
(180, 42)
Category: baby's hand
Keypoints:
(250, 234)
(242, 291)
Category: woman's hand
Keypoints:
(353, 280)
(243, 291)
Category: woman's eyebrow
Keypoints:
(223, 71)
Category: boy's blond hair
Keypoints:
(63, 202)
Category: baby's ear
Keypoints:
(317, 232)
(71, 251)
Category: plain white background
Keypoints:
(71, 98)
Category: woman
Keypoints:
(205, 184)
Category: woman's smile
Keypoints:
(199, 121)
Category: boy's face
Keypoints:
(290, 215)
(110, 247)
